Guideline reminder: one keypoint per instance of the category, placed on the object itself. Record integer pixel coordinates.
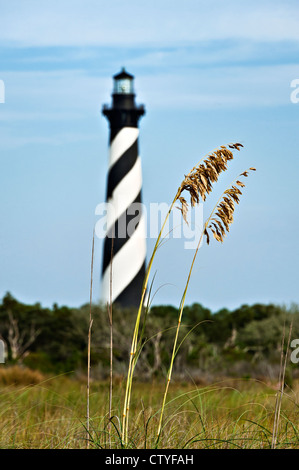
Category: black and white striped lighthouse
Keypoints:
(125, 221)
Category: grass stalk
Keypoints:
(198, 182)
(279, 394)
(132, 360)
(182, 303)
(89, 346)
(169, 374)
(110, 317)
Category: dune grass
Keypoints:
(45, 413)
(198, 184)
(232, 413)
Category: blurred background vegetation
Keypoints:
(244, 343)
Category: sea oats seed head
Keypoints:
(198, 182)
(224, 211)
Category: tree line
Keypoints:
(245, 342)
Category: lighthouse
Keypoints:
(125, 241)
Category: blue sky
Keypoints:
(209, 73)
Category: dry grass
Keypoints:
(17, 375)
(198, 182)
(280, 392)
(227, 415)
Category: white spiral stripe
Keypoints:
(124, 194)
(122, 142)
(125, 264)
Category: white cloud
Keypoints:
(74, 94)
(227, 87)
(50, 93)
(47, 104)
(135, 23)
